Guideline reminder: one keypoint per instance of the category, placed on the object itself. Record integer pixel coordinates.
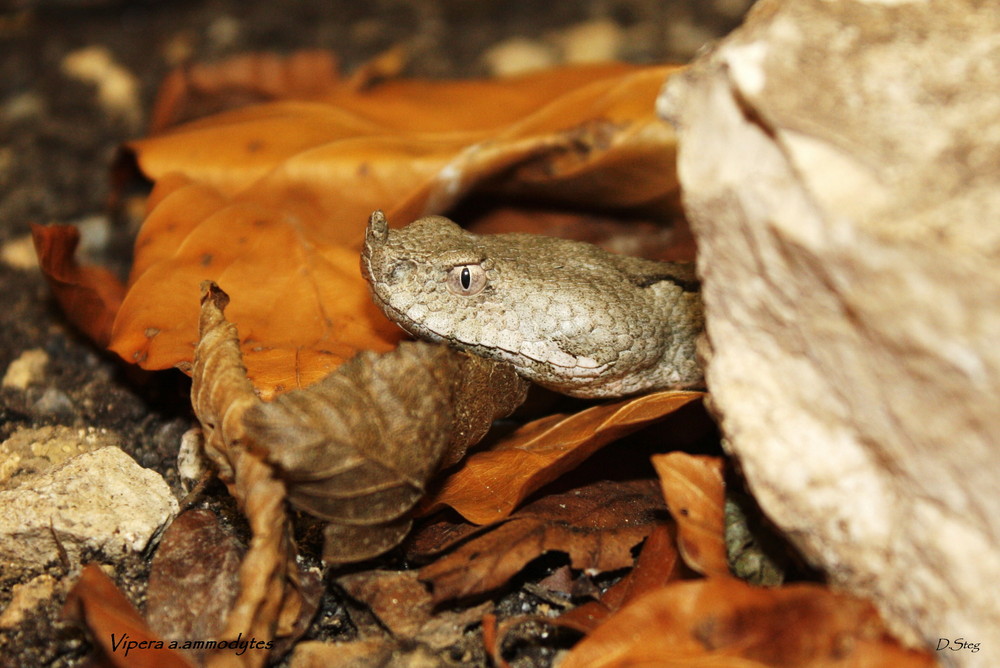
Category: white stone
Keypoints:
(27, 369)
(102, 500)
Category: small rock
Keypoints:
(27, 369)
(191, 460)
(31, 451)
(54, 402)
(19, 253)
(117, 87)
(518, 56)
(99, 500)
(25, 598)
(591, 42)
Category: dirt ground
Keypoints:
(59, 135)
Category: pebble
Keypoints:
(591, 41)
(27, 369)
(518, 56)
(19, 253)
(101, 500)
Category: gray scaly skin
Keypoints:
(568, 315)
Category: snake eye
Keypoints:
(466, 280)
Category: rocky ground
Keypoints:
(77, 78)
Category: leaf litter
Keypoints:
(270, 201)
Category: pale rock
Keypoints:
(191, 460)
(594, 41)
(117, 87)
(840, 163)
(31, 451)
(19, 253)
(26, 597)
(27, 369)
(100, 500)
(518, 56)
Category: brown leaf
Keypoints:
(491, 483)
(400, 602)
(193, 580)
(657, 565)
(282, 190)
(695, 492)
(725, 622)
(115, 624)
(404, 606)
(355, 450)
(596, 525)
(90, 296)
(198, 90)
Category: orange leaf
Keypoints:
(90, 296)
(725, 622)
(272, 200)
(491, 484)
(116, 626)
(695, 494)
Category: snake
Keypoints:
(568, 315)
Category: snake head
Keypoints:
(566, 314)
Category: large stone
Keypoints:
(101, 500)
(841, 169)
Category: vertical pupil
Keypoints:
(466, 278)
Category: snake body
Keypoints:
(568, 315)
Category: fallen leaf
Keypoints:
(725, 622)
(695, 492)
(115, 624)
(404, 606)
(281, 191)
(202, 89)
(357, 449)
(400, 602)
(657, 565)
(596, 525)
(491, 483)
(193, 580)
(89, 296)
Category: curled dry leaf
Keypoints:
(695, 491)
(725, 622)
(283, 190)
(490, 484)
(356, 449)
(596, 525)
(89, 296)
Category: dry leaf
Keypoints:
(657, 565)
(491, 483)
(198, 90)
(695, 492)
(89, 296)
(282, 191)
(116, 625)
(596, 525)
(725, 622)
(193, 580)
(355, 450)
(404, 606)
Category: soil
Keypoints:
(58, 140)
